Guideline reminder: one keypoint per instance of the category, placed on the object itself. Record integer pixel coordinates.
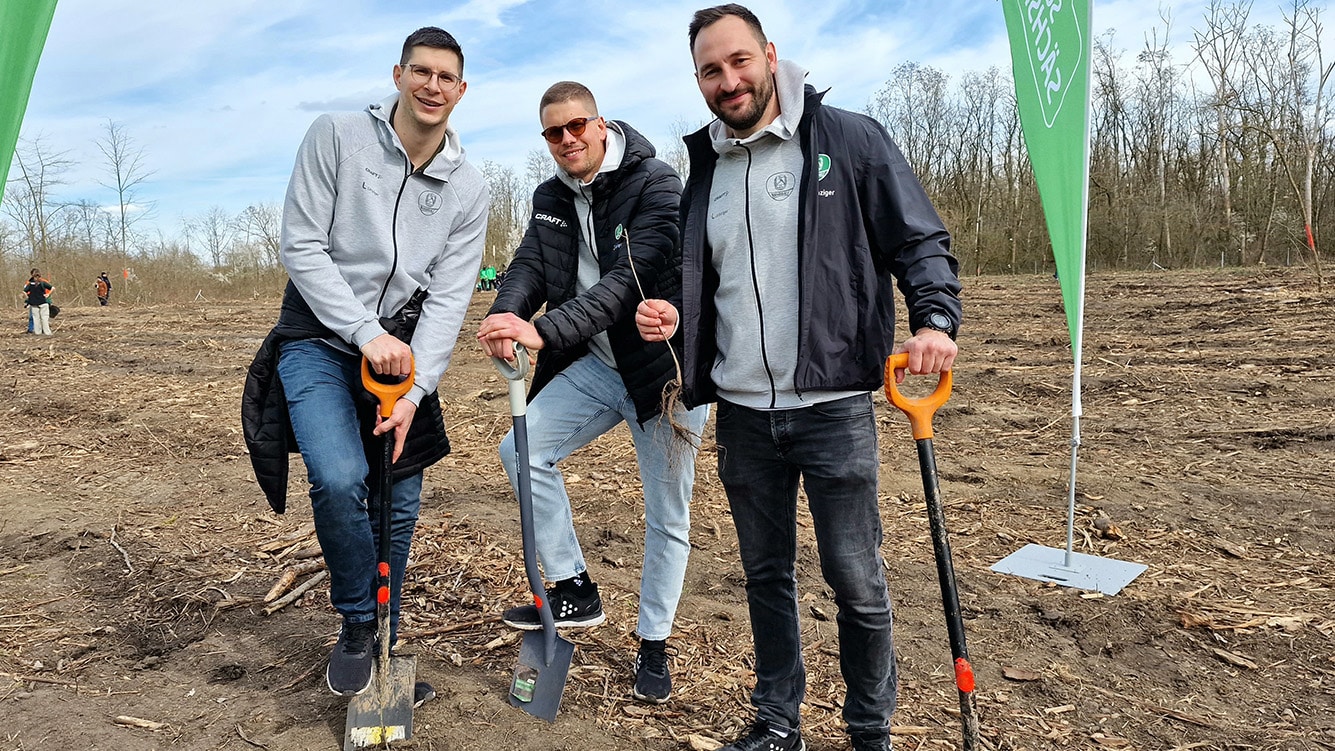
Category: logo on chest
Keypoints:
(428, 202)
(780, 185)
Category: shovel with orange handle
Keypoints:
(920, 412)
(384, 713)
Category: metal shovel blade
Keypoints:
(384, 713)
(538, 682)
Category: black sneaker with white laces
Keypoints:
(653, 683)
(569, 610)
(764, 737)
(349, 671)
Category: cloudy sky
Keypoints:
(219, 94)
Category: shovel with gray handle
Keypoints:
(539, 678)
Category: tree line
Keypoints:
(1219, 159)
(1216, 154)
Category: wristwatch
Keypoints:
(940, 322)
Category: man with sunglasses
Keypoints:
(382, 237)
(603, 234)
(799, 219)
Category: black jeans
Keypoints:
(832, 448)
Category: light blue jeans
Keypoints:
(321, 384)
(584, 401)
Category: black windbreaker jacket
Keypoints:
(865, 223)
(641, 199)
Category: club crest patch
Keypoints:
(780, 185)
(429, 202)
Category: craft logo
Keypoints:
(780, 185)
(558, 221)
(822, 166)
(1055, 44)
(429, 202)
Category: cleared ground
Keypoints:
(136, 549)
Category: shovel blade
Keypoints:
(538, 685)
(384, 713)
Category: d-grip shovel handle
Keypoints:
(515, 372)
(387, 393)
(919, 411)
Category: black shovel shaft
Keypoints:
(945, 572)
(945, 567)
(525, 482)
(383, 510)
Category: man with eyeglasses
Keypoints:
(799, 219)
(603, 233)
(382, 238)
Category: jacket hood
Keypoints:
(448, 159)
(788, 87)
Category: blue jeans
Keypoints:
(831, 448)
(321, 384)
(581, 403)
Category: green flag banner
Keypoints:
(1050, 50)
(23, 27)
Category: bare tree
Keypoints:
(1156, 100)
(1290, 97)
(675, 151)
(1219, 47)
(914, 107)
(28, 199)
(88, 224)
(538, 166)
(126, 170)
(215, 231)
(505, 218)
(261, 225)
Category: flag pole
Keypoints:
(1048, 42)
(1077, 343)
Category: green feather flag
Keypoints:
(1050, 50)
(23, 27)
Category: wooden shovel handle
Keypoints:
(919, 411)
(387, 393)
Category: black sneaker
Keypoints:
(349, 671)
(568, 610)
(764, 738)
(653, 683)
(423, 692)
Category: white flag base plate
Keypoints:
(1106, 575)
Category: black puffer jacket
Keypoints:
(264, 419)
(641, 196)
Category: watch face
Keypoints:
(940, 321)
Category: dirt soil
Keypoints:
(136, 549)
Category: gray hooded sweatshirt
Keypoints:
(362, 233)
(752, 229)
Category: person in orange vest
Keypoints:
(103, 285)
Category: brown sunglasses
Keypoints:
(576, 128)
